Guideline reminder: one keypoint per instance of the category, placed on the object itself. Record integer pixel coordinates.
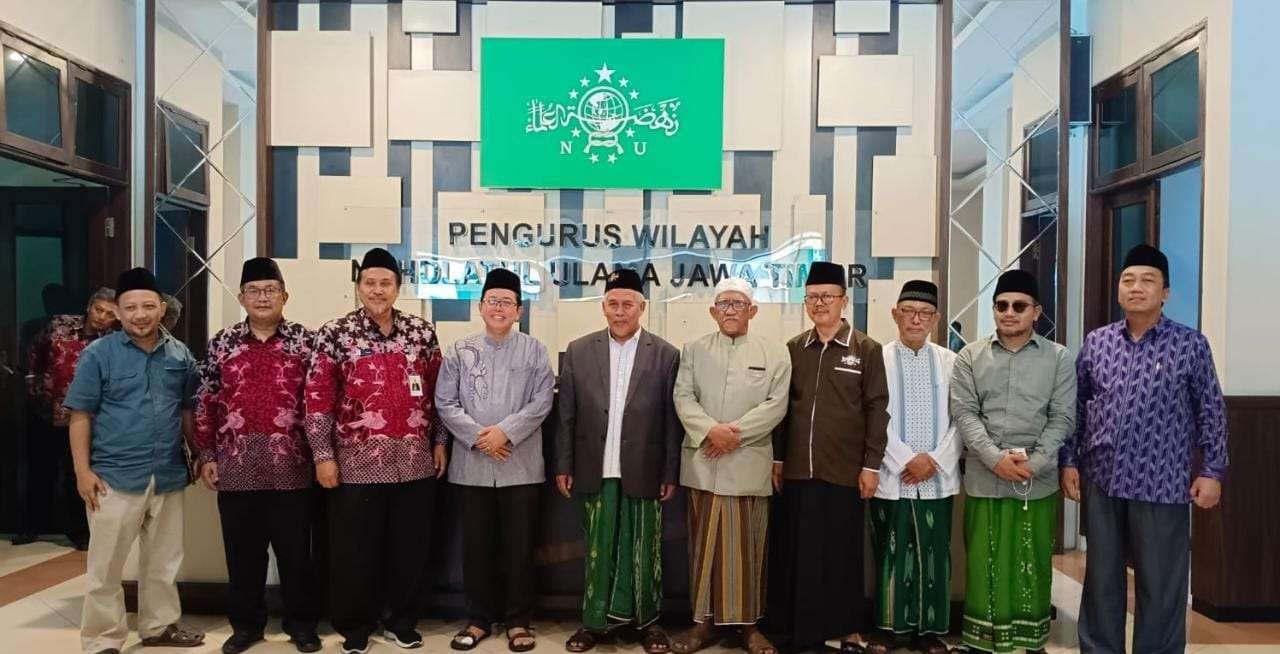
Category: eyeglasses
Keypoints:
(824, 299)
(499, 303)
(736, 305)
(923, 314)
(254, 292)
(1019, 306)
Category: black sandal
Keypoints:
(465, 640)
(521, 633)
(581, 641)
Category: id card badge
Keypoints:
(415, 385)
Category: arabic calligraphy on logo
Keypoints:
(601, 116)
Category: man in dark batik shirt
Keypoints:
(379, 446)
(252, 449)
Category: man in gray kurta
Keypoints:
(730, 393)
(494, 390)
(1013, 400)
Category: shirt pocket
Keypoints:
(174, 378)
(847, 382)
(121, 384)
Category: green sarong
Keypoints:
(1010, 572)
(624, 558)
(911, 540)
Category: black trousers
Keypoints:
(378, 532)
(1158, 536)
(50, 499)
(497, 553)
(816, 583)
(252, 520)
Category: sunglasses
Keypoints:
(1019, 306)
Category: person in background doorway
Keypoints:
(172, 312)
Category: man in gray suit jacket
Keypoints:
(618, 447)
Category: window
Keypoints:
(61, 111)
(183, 139)
(1040, 164)
(1147, 119)
(1174, 79)
(100, 106)
(35, 118)
(1131, 218)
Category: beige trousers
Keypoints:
(155, 520)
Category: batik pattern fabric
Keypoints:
(370, 398)
(55, 350)
(1009, 572)
(249, 408)
(911, 541)
(624, 559)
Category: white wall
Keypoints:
(1126, 30)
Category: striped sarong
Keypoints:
(727, 536)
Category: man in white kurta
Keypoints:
(911, 511)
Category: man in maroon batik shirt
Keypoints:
(252, 449)
(55, 350)
(379, 446)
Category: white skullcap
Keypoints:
(736, 284)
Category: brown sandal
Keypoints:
(520, 633)
(175, 636)
(581, 641)
(466, 640)
(655, 641)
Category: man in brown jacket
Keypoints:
(827, 455)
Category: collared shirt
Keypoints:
(54, 353)
(249, 410)
(836, 419)
(1143, 407)
(509, 384)
(1002, 400)
(370, 398)
(737, 380)
(136, 399)
(622, 358)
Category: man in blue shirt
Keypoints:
(130, 402)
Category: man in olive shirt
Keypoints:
(828, 449)
(730, 393)
(1013, 399)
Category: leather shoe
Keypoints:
(239, 642)
(306, 642)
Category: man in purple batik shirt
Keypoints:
(1147, 396)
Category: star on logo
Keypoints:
(613, 158)
(634, 94)
(595, 158)
(605, 73)
(623, 82)
(573, 95)
(584, 82)
(576, 132)
(630, 132)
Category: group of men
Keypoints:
(781, 450)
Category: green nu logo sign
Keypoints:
(601, 113)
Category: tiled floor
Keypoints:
(41, 590)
